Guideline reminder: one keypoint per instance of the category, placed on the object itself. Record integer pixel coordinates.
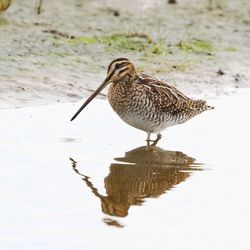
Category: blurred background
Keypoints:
(58, 51)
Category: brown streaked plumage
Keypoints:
(144, 102)
(4, 4)
(139, 175)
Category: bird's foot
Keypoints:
(154, 142)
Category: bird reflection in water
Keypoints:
(142, 173)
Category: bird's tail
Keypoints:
(209, 107)
(202, 105)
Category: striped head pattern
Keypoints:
(119, 68)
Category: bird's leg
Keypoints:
(156, 140)
(148, 139)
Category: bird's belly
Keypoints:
(139, 112)
(147, 125)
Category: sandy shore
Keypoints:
(62, 54)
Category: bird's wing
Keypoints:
(161, 88)
(168, 97)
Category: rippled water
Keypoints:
(93, 184)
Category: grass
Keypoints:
(3, 21)
(125, 42)
(196, 46)
(230, 49)
(144, 46)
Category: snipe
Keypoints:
(144, 102)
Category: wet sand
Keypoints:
(189, 193)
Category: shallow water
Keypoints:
(92, 183)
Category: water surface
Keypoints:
(93, 184)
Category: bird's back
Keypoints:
(152, 105)
(169, 101)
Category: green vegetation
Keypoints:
(216, 4)
(83, 39)
(169, 67)
(196, 45)
(230, 49)
(3, 21)
(142, 45)
(126, 42)
(246, 21)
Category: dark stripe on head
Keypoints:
(123, 70)
(117, 60)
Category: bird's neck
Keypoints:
(127, 78)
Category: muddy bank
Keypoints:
(62, 54)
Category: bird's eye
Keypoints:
(118, 66)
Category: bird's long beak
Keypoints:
(97, 91)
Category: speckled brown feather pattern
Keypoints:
(152, 100)
(138, 175)
(4, 4)
(144, 102)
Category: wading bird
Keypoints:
(144, 102)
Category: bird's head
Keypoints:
(120, 68)
(117, 70)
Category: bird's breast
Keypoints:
(118, 97)
(133, 107)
